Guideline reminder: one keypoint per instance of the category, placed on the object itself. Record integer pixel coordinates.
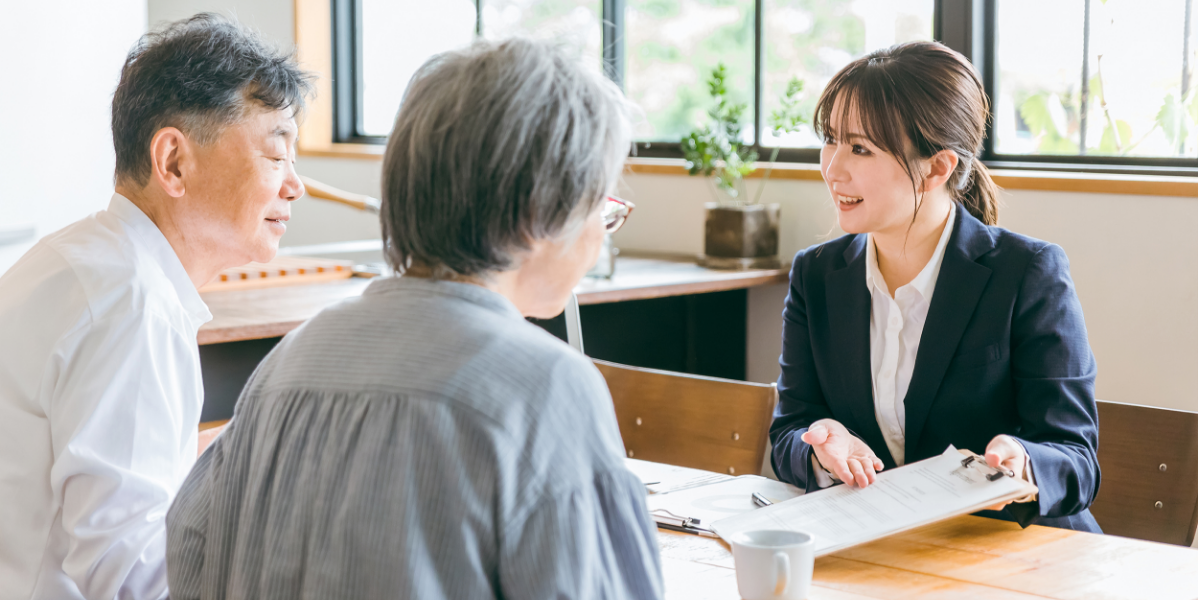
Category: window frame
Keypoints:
(967, 26)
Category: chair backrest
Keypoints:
(691, 421)
(1148, 473)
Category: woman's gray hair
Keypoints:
(496, 146)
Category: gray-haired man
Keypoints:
(100, 400)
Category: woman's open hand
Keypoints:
(846, 456)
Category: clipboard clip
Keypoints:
(993, 473)
(662, 514)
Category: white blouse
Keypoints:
(896, 326)
(100, 395)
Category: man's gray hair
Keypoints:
(496, 146)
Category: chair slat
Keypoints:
(706, 423)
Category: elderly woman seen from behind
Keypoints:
(424, 440)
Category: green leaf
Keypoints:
(1036, 114)
(1108, 142)
(1124, 133)
(714, 149)
(1170, 118)
(789, 118)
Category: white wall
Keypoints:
(1133, 258)
(62, 62)
(274, 19)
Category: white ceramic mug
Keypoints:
(773, 564)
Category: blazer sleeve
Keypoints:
(1054, 375)
(801, 400)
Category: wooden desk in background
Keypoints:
(965, 558)
(274, 311)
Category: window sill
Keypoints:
(1050, 181)
(359, 151)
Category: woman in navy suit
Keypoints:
(928, 325)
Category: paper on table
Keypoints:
(710, 503)
(660, 478)
(910, 496)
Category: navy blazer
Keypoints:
(1004, 350)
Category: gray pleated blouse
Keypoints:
(422, 441)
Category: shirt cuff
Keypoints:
(825, 478)
(1027, 475)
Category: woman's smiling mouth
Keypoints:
(847, 202)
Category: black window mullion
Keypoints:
(357, 57)
(961, 25)
(990, 73)
(759, 91)
(612, 20)
(345, 94)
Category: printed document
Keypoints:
(706, 504)
(661, 478)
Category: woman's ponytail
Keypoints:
(981, 195)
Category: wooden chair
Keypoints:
(691, 421)
(1148, 473)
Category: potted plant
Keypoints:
(738, 233)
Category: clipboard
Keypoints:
(950, 484)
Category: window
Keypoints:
(392, 33)
(1094, 85)
(670, 48)
(1106, 81)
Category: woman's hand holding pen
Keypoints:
(846, 456)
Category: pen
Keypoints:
(691, 530)
(760, 499)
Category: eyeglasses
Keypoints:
(614, 213)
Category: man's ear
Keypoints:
(169, 151)
(940, 168)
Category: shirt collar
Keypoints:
(151, 241)
(925, 281)
(475, 294)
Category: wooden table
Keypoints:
(273, 312)
(968, 558)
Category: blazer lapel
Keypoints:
(848, 303)
(959, 286)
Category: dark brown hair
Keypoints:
(923, 93)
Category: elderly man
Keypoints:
(100, 389)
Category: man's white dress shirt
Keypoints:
(100, 397)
